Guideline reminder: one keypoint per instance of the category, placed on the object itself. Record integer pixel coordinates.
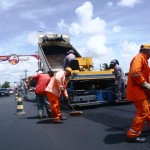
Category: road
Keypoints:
(102, 128)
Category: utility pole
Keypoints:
(39, 62)
(20, 85)
(100, 67)
(26, 73)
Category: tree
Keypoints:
(105, 66)
(6, 85)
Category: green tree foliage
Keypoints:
(6, 85)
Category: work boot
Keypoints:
(63, 118)
(116, 100)
(136, 140)
(57, 120)
(49, 115)
(41, 117)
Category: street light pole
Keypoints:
(39, 63)
(26, 73)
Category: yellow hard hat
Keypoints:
(145, 46)
(69, 70)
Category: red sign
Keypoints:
(14, 59)
(3, 58)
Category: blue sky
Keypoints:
(101, 29)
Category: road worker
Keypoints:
(120, 89)
(26, 89)
(42, 81)
(69, 58)
(138, 88)
(55, 88)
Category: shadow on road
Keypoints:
(31, 100)
(48, 121)
(115, 138)
(33, 117)
(119, 138)
(108, 119)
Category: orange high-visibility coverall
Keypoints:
(138, 73)
(53, 93)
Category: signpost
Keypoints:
(15, 59)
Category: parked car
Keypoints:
(11, 92)
(4, 92)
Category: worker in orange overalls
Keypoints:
(55, 88)
(138, 88)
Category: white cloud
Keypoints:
(32, 38)
(97, 44)
(18, 43)
(87, 24)
(117, 29)
(41, 25)
(93, 30)
(128, 51)
(85, 12)
(96, 26)
(7, 4)
(14, 45)
(129, 48)
(129, 3)
(110, 4)
(62, 24)
(36, 13)
(29, 15)
(75, 29)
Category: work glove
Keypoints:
(61, 89)
(116, 82)
(66, 97)
(146, 86)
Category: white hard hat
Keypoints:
(39, 72)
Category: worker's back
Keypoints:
(69, 58)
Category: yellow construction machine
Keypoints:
(87, 86)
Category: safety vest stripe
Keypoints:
(135, 75)
(135, 131)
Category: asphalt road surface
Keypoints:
(102, 128)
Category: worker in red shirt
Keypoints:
(42, 81)
(55, 88)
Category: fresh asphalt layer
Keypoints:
(102, 127)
